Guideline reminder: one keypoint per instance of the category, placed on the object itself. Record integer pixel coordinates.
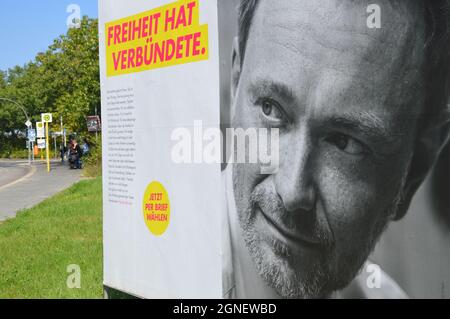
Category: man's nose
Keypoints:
(295, 177)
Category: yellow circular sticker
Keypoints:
(156, 208)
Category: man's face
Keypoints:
(345, 99)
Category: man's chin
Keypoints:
(290, 275)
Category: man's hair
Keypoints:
(437, 16)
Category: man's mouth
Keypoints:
(291, 237)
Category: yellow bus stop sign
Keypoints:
(47, 118)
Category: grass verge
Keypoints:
(38, 246)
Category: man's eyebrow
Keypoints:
(368, 124)
(264, 87)
(361, 122)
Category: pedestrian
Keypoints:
(75, 155)
(85, 147)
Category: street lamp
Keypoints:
(19, 105)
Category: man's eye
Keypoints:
(271, 109)
(347, 144)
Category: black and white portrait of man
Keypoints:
(362, 117)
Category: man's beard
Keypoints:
(327, 272)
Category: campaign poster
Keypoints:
(275, 149)
(160, 85)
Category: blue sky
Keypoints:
(30, 26)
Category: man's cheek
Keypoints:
(349, 204)
(253, 175)
(246, 178)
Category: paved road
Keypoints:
(11, 171)
(23, 187)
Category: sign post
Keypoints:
(40, 134)
(41, 143)
(94, 124)
(31, 138)
(40, 130)
(47, 118)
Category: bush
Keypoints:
(13, 148)
(19, 154)
(93, 161)
(22, 153)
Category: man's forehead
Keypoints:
(397, 17)
(324, 28)
(306, 38)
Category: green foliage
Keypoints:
(63, 80)
(14, 153)
(2, 80)
(93, 162)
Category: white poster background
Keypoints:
(40, 130)
(185, 261)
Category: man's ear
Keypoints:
(235, 70)
(428, 147)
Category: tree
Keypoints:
(63, 80)
(2, 80)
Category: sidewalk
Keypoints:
(35, 187)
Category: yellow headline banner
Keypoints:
(162, 37)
